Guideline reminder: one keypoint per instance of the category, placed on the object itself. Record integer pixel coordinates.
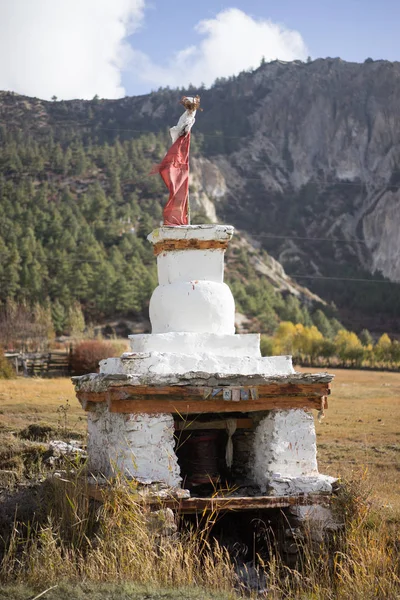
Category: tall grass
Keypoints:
(116, 541)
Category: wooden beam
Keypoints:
(272, 390)
(191, 391)
(149, 405)
(242, 503)
(173, 245)
(216, 503)
(92, 397)
(220, 424)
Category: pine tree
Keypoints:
(59, 317)
(75, 321)
(336, 326)
(292, 310)
(322, 323)
(366, 338)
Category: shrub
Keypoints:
(6, 370)
(37, 432)
(86, 355)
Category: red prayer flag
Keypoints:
(174, 170)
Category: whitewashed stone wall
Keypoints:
(285, 454)
(138, 446)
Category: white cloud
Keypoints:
(232, 42)
(70, 48)
(79, 48)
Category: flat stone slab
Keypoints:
(191, 232)
(155, 365)
(101, 382)
(198, 393)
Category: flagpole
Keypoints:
(188, 198)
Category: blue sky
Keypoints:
(351, 29)
(113, 48)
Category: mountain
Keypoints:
(302, 157)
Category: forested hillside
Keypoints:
(74, 216)
(302, 157)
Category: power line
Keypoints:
(72, 260)
(222, 136)
(314, 239)
(358, 279)
(284, 237)
(37, 172)
(318, 277)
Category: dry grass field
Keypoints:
(360, 433)
(34, 400)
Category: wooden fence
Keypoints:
(57, 362)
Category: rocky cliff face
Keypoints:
(321, 159)
(207, 188)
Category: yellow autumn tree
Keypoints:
(383, 348)
(284, 338)
(308, 342)
(349, 348)
(304, 343)
(395, 352)
(369, 354)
